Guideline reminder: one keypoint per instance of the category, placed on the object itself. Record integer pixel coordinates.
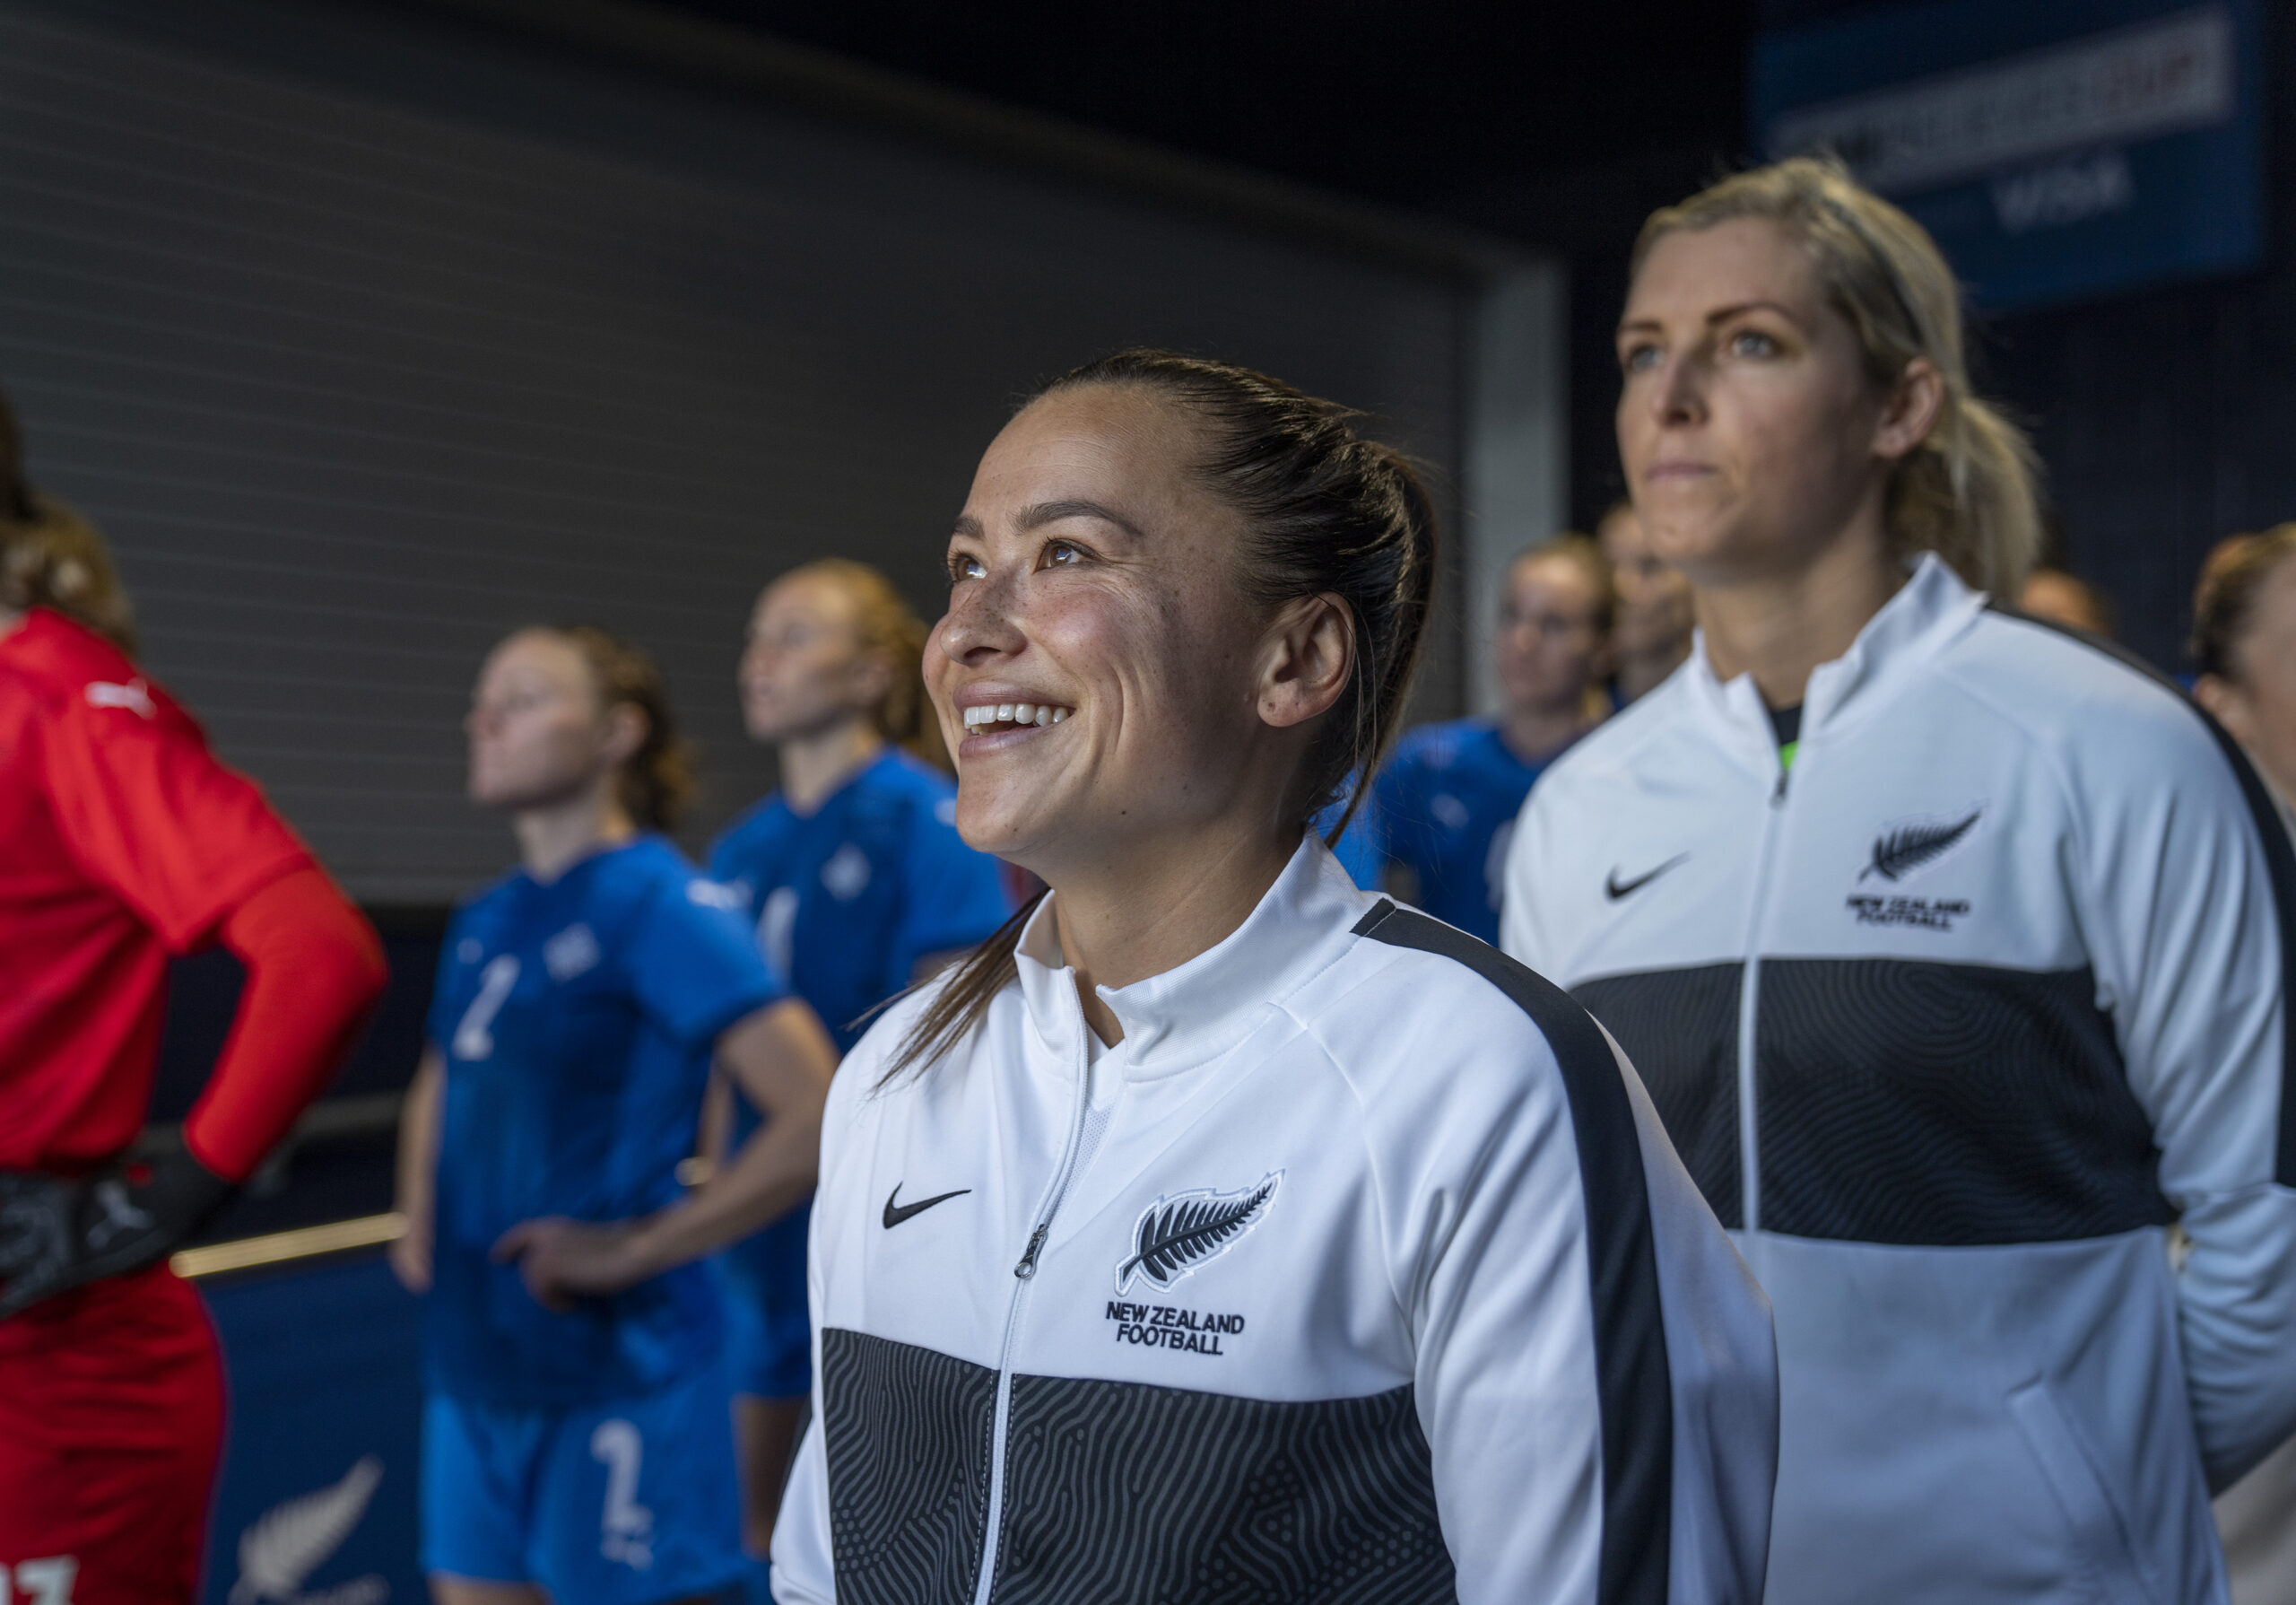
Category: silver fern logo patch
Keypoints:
(1182, 1232)
(1906, 845)
(292, 1541)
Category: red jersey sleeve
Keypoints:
(151, 813)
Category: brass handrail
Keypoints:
(277, 1248)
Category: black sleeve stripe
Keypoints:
(2278, 857)
(1636, 1385)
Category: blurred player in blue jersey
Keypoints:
(575, 1442)
(858, 884)
(1651, 629)
(1448, 796)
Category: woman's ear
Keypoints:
(1304, 664)
(1910, 411)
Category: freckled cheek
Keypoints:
(1103, 648)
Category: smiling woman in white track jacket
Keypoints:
(1952, 948)
(1218, 1232)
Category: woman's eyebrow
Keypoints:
(1719, 315)
(1723, 314)
(1050, 512)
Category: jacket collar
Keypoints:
(1195, 1012)
(1930, 609)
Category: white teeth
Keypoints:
(986, 714)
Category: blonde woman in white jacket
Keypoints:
(1951, 947)
(1218, 1232)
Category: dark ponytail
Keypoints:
(1327, 511)
(655, 782)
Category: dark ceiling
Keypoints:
(1555, 126)
(1414, 104)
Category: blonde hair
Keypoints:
(56, 558)
(1968, 492)
(1571, 547)
(889, 627)
(50, 556)
(2224, 603)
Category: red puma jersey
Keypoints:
(123, 840)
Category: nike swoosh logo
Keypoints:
(897, 1213)
(1618, 888)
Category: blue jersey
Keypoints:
(846, 900)
(576, 1021)
(849, 897)
(1361, 848)
(1448, 801)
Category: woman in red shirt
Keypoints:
(123, 843)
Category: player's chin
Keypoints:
(1003, 813)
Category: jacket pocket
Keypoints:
(2097, 1525)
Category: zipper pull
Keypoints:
(1777, 795)
(1027, 1268)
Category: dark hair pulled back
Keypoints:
(656, 782)
(1327, 512)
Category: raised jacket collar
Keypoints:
(1195, 1012)
(1931, 608)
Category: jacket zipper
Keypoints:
(1749, 999)
(1023, 1272)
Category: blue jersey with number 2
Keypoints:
(578, 1020)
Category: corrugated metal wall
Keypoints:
(356, 381)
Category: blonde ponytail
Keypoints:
(1968, 492)
(50, 556)
(55, 558)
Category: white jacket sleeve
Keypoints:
(1595, 1371)
(804, 1568)
(2186, 884)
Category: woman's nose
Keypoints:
(1679, 395)
(978, 622)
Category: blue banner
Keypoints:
(2053, 150)
(317, 1504)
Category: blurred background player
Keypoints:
(859, 886)
(2244, 646)
(2068, 599)
(1447, 801)
(1651, 634)
(575, 1442)
(123, 843)
(1950, 946)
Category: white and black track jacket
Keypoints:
(1358, 1271)
(1951, 1023)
